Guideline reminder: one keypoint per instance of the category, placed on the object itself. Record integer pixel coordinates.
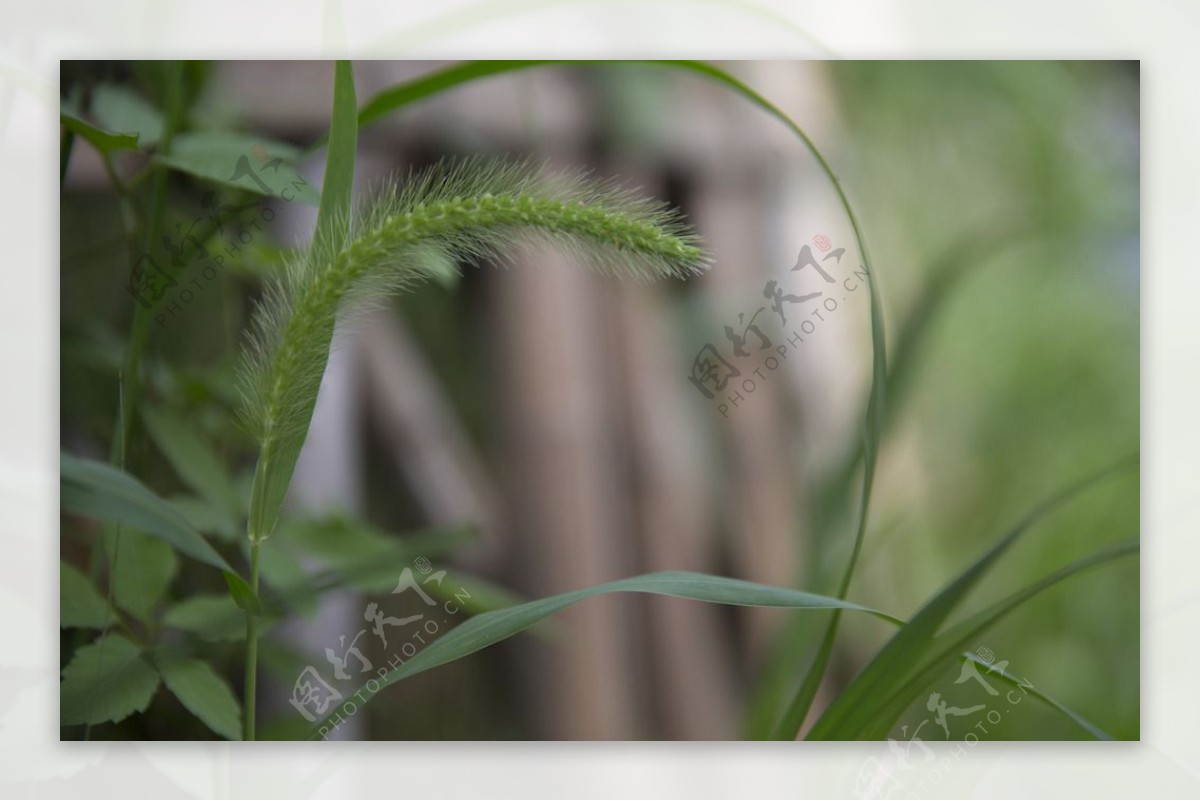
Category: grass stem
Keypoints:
(249, 697)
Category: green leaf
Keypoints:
(142, 568)
(366, 557)
(490, 628)
(283, 572)
(205, 517)
(396, 97)
(1026, 686)
(118, 108)
(205, 694)
(240, 161)
(104, 141)
(193, 460)
(209, 617)
(273, 472)
(473, 594)
(106, 681)
(797, 710)
(92, 489)
(860, 702)
(242, 595)
(79, 605)
(333, 217)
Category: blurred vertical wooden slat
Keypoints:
(762, 519)
(694, 684)
(563, 503)
(434, 456)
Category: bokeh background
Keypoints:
(541, 418)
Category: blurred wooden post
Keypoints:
(565, 512)
(432, 452)
(689, 652)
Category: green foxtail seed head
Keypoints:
(466, 211)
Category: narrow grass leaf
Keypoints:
(1024, 685)
(99, 491)
(277, 458)
(333, 216)
(856, 705)
(797, 710)
(947, 645)
(493, 627)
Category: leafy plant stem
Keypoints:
(154, 225)
(249, 699)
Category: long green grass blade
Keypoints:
(487, 629)
(944, 647)
(1026, 686)
(333, 217)
(853, 708)
(796, 712)
(273, 473)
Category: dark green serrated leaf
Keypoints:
(142, 568)
(205, 694)
(107, 680)
(79, 605)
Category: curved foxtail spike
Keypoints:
(467, 210)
